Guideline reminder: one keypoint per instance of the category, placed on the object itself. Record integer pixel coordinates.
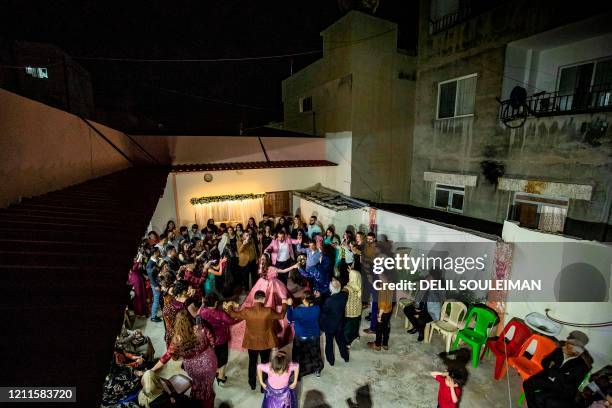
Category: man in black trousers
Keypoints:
(564, 369)
(332, 322)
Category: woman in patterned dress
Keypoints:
(174, 302)
(195, 345)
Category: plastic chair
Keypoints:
(476, 337)
(178, 384)
(402, 303)
(453, 313)
(507, 345)
(539, 347)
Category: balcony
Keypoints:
(446, 17)
(597, 98)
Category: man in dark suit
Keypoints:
(332, 322)
(564, 369)
(260, 335)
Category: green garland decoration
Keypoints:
(232, 197)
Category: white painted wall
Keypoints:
(338, 149)
(165, 210)
(538, 70)
(520, 304)
(190, 185)
(224, 149)
(550, 60)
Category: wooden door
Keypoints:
(277, 203)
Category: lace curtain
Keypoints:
(552, 219)
(233, 212)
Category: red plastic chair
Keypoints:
(507, 345)
(539, 347)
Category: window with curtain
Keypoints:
(456, 97)
(539, 212)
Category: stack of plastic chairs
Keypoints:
(507, 345)
(476, 337)
(451, 320)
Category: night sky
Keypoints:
(188, 97)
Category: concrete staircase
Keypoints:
(64, 260)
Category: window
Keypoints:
(306, 104)
(585, 85)
(456, 97)
(37, 72)
(449, 198)
(539, 212)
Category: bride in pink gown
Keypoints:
(275, 291)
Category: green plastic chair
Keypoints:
(476, 337)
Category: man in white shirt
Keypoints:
(163, 242)
(281, 250)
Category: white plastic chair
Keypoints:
(402, 303)
(451, 318)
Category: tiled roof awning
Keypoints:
(181, 168)
(331, 199)
(549, 188)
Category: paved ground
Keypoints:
(398, 377)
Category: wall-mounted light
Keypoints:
(208, 177)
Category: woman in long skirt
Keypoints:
(306, 343)
(278, 391)
(136, 279)
(194, 344)
(353, 307)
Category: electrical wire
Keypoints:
(238, 59)
(241, 59)
(208, 99)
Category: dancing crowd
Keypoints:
(258, 287)
(197, 277)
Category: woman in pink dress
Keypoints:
(137, 281)
(194, 343)
(275, 291)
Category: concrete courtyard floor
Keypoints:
(398, 377)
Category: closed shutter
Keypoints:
(277, 203)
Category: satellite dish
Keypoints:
(518, 97)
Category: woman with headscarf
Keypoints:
(353, 307)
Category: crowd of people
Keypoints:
(258, 287)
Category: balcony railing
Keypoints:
(449, 20)
(595, 99)
(467, 10)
